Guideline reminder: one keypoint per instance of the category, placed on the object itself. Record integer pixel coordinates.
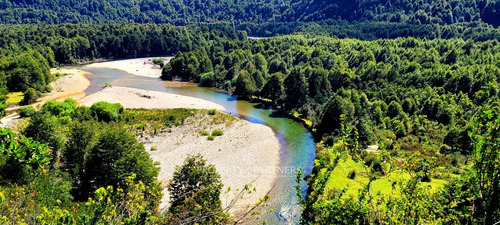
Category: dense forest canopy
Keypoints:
(251, 12)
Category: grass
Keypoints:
(339, 179)
(210, 138)
(14, 98)
(146, 121)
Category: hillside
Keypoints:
(180, 12)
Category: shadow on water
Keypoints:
(297, 144)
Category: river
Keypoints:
(297, 144)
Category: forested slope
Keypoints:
(180, 12)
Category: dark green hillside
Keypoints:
(179, 12)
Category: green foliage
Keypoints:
(204, 133)
(26, 111)
(30, 96)
(210, 137)
(115, 205)
(485, 173)
(117, 152)
(81, 139)
(52, 189)
(44, 127)
(159, 61)
(217, 132)
(60, 109)
(244, 84)
(107, 84)
(24, 149)
(401, 18)
(106, 112)
(195, 193)
(212, 112)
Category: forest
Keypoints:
(263, 17)
(413, 99)
(208, 11)
(401, 96)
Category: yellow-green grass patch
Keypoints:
(14, 98)
(385, 186)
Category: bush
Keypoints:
(60, 109)
(217, 132)
(212, 112)
(204, 133)
(154, 148)
(26, 111)
(107, 84)
(159, 61)
(210, 138)
(373, 161)
(30, 95)
(352, 174)
(106, 112)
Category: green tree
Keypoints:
(273, 89)
(81, 139)
(330, 117)
(245, 85)
(30, 96)
(119, 154)
(485, 174)
(296, 90)
(44, 127)
(195, 193)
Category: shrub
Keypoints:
(204, 133)
(26, 111)
(217, 132)
(212, 112)
(373, 161)
(154, 148)
(159, 61)
(210, 138)
(106, 111)
(60, 109)
(352, 174)
(30, 95)
(107, 84)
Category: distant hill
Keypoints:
(402, 11)
(269, 17)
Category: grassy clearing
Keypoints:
(14, 98)
(384, 186)
(151, 122)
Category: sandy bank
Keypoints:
(247, 153)
(138, 98)
(139, 66)
(72, 85)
